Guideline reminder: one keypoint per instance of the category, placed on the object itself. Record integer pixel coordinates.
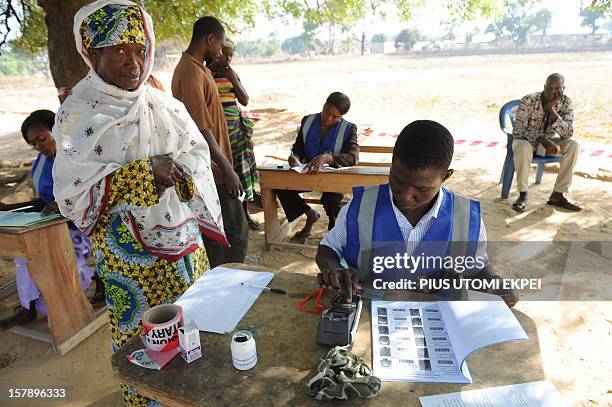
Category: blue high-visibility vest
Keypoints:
(332, 142)
(372, 229)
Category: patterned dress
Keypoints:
(136, 280)
(240, 131)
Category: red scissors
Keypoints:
(301, 305)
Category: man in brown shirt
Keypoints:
(193, 84)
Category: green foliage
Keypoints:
(541, 20)
(381, 37)
(603, 6)
(258, 48)
(33, 38)
(18, 63)
(302, 44)
(406, 39)
(174, 19)
(519, 25)
(590, 18)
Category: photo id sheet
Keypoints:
(411, 343)
(430, 341)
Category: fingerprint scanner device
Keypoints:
(339, 322)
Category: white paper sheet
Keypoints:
(476, 324)
(217, 301)
(430, 341)
(324, 168)
(534, 394)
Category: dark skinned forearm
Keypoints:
(327, 259)
(216, 154)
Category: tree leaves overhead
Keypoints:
(174, 19)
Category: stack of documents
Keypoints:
(23, 219)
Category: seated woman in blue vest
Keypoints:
(413, 214)
(323, 139)
(36, 131)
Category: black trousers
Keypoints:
(294, 206)
(236, 231)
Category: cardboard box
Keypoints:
(189, 339)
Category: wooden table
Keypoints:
(287, 356)
(271, 177)
(52, 266)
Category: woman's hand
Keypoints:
(51, 207)
(165, 172)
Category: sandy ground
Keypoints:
(465, 93)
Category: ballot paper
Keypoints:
(324, 168)
(217, 301)
(534, 394)
(430, 341)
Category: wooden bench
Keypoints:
(271, 177)
(375, 150)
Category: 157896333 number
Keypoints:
(36, 393)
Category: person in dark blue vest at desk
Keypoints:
(324, 138)
(412, 215)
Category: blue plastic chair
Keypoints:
(508, 169)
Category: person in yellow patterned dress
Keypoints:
(132, 171)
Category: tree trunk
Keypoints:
(67, 66)
(363, 43)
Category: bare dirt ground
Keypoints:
(464, 93)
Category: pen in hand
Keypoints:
(268, 289)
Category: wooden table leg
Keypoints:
(272, 225)
(52, 266)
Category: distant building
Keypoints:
(387, 47)
(570, 40)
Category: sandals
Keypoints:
(253, 224)
(300, 237)
(519, 206)
(564, 204)
(98, 299)
(21, 316)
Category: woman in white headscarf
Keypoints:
(132, 171)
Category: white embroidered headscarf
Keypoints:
(101, 127)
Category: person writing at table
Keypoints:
(36, 131)
(411, 214)
(324, 138)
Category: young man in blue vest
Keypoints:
(411, 214)
(324, 138)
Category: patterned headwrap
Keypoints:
(113, 24)
(229, 44)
